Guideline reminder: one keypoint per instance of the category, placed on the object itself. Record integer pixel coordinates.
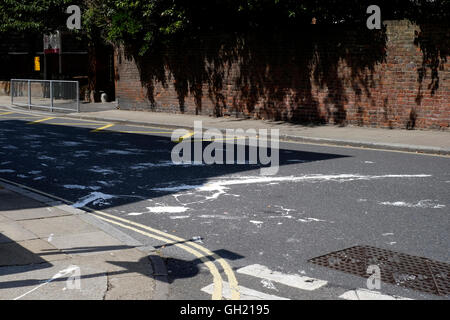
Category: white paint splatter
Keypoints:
(10, 147)
(147, 165)
(217, 188)
(76, 186)
(179, 217)
(103, 171)
(421, 204)
(46, 158)
(94, 197)
(257, 223)
(120, 152)
(268, 284)
(311, 220)
(161, 209)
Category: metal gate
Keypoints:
(49, 94)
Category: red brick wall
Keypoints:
(399, 78)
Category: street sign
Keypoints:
(52, 43)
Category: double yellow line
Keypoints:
(203, 254)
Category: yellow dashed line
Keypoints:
(103, 128)
(4, 113)
(76, 124)
(187, 135)
(41, 120)
(145, 131)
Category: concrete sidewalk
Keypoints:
(431, 142)
(51, 251)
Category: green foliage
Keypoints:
(32, 15)
(142, 23)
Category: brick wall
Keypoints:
(395, 78)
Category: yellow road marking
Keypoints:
(217, 294)
(145, 131)
(187, 135)
(41, 120)
(76, 124)
(3, 113)
(217, 279)
(103, 128)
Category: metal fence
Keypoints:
(49, 94)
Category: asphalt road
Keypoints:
(323, 199)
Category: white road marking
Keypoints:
(364, 294)
(291, 280)
(246, 293)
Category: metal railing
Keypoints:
(49, 94)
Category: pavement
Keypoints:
(421, 141)
(52, 251)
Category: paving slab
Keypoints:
(87, 243)
(52, 282)
(28, 252)
(57, 226)
(34, 213)
(13, 230)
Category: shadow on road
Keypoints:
(107, 168)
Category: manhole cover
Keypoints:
(401, 269)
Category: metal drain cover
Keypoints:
(401, 269)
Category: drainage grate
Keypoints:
(401, 269)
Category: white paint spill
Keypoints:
(95, 198)
(421, 204)
(179, 217)
(147, 165)
(50, 238)
(257, 223)
(10, 147)
(364, 294)
(61, 273)
(219, 216)
(285, 210)
(217, 188)
(291, 280)
(311, 220)
(161, 209)
(120, 152)
(197, 239)
(76, 186)
(245, 293)
(46, 158)
(103, 171)
(268, 284)
(70, 143)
